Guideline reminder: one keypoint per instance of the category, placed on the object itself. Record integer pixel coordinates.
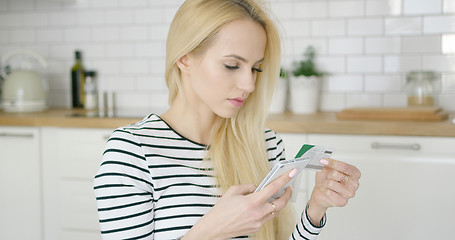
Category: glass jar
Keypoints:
(420, 87)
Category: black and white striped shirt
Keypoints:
(154, 184)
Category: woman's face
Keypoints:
(220, 79)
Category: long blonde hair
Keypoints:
(237, 150)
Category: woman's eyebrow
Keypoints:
(242, 58)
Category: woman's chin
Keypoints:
(227, 113)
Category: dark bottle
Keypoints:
(78, 81)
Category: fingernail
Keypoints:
(324, 162)
(293, 173)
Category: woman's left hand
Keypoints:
(335, 185)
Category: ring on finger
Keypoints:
(274, 208)
(344, 179)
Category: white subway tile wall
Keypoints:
(422, 44)
(345, 46)
(402, 64)
(328, 27)
(382, 45)
(332, 101)
(314, 9)
(353, 8)
(448, 43)
(365, 27)
(344, 83)
(403, 26)
(413, 7)
(383, 7)
(366, 46)
(382, 83)
(364, 100)
(449, 6)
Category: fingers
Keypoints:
(272, 188)
(243, 189)
(343, 167)
(273, 208)
(339, 182)
(283, 200)
(241, 211)
(342, 179)
(336, 199)
(344, 173)
(345, 190)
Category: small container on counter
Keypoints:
(106, 104)
(90, 87)
(420, 87)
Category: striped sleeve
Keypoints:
(304, 229)
(275, 147)
(123, 189)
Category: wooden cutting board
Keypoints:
(394, 114)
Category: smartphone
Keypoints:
(307, 158)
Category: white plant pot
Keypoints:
(304, 94)
(278, 104)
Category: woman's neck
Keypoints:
(194, 124)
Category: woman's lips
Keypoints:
(238, 102)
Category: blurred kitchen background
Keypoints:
(367, 46)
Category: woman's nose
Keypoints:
(246, 83)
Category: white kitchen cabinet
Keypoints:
(20, 201)
(406, 189)
(71, 157)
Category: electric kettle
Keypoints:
(23, 89)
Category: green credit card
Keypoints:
(303, 150)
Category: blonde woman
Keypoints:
(191, 172)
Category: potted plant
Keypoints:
(305, 84)
(278, 104)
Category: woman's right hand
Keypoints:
(241, 211)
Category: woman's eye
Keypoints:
(234, 67)
(230, 67)
(256, 70)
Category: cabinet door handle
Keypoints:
(412, 146)
(19, 135)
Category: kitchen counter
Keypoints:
(320, 123)
(329, 124)
(64, 118)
